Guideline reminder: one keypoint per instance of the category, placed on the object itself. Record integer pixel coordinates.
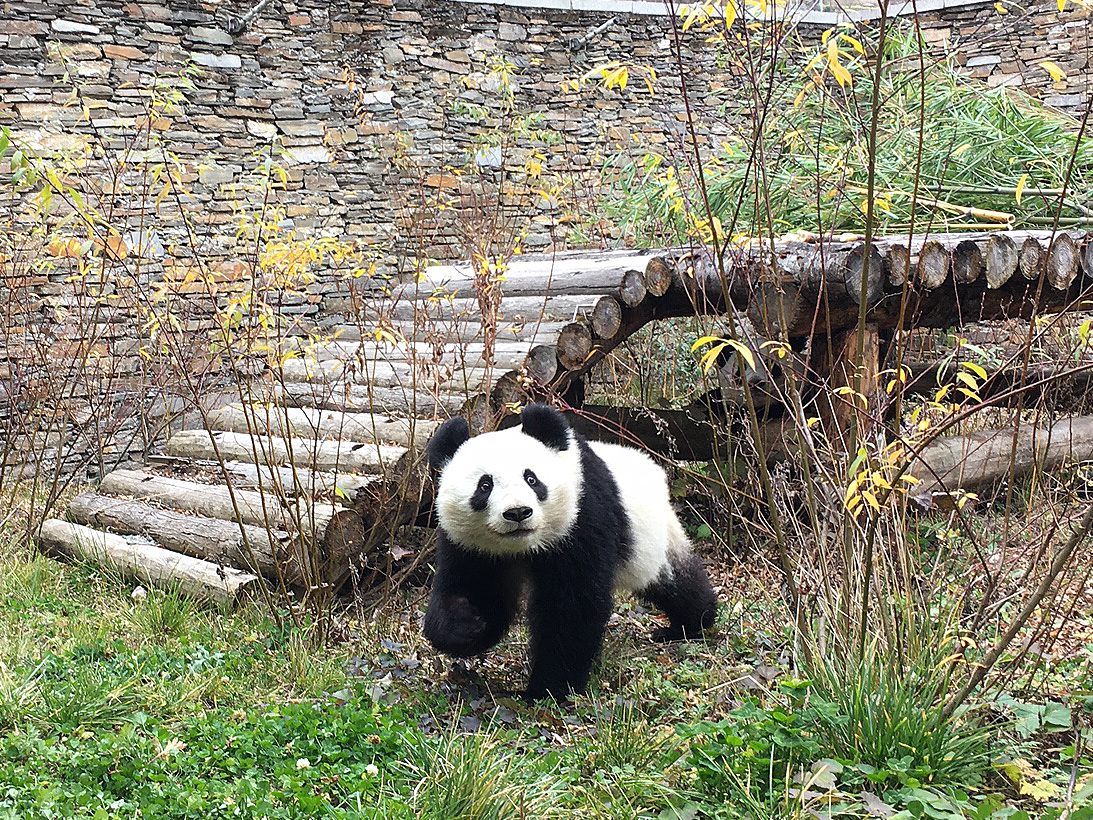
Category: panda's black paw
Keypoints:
(458, 629)
(668, 634)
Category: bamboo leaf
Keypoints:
(1021, 183)
(1052, 68)
(704, 340)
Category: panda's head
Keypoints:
(509, 491)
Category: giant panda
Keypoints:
(539, 506)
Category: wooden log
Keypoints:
(384, 374)
(216, 501)
(338, 456)
(574, 345)
(459, 331)
(1000, 258)
(362, 398)
(774, 308)
(933, 264)
(147, 562)
(580, 274)
(223, 542)
(542, 363)
(863, 274)
(1032, 258)
(631, 291)
(1062, 261)
(897, 264)
(967, 262)
(1087, 258)
(316, 423)
(454, 357)
(657, 276)
(989, 456)
(284, 480)
(850, 384)
(290, 480)
(606, 317)
(425, 307)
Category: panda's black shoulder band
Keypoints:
(448, 438)
(546, 424)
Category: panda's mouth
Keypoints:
(519, 532)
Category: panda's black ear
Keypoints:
(448, 438)
(546, 424)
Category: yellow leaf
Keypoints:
(704, 340)
(1062, 5)
(968, 379)
(838, 71)
(709, 358)
(1021, 183)
(1052, 68)
(872, 499)
(730, 14)
(975, 368)
(1001, 9)
(743, 352)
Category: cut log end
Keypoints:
(542, 363)
(658, 276)
(897, 265)
(1062, 261)
(933, 264)
(632, 289)
(1001, 257)
(967, 262)
(1032, 259)
(863, 273)
(574, 345)
(607, 317)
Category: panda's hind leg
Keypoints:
(684, 593)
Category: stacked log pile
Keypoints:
(300, 483)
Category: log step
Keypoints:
(140, 558)
(218, 501)
(359, 398)
(337, 456)
(315, 423)
(226, 543)
(382, 374)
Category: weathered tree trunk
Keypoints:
(989, 456)
(315, 423)
(340, 456)
(147, 562)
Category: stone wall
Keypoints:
(402, 125)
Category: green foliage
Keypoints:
(981, 158)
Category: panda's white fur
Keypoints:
(505, 455)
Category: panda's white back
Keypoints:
(654, 528)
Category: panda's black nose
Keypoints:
(517, 514)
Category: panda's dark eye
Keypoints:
(485, 484)
(530, 478)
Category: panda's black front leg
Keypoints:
(570, 603)
(473, 600)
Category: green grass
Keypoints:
(115, 706)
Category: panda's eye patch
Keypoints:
(482, 493)
(537, 486)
